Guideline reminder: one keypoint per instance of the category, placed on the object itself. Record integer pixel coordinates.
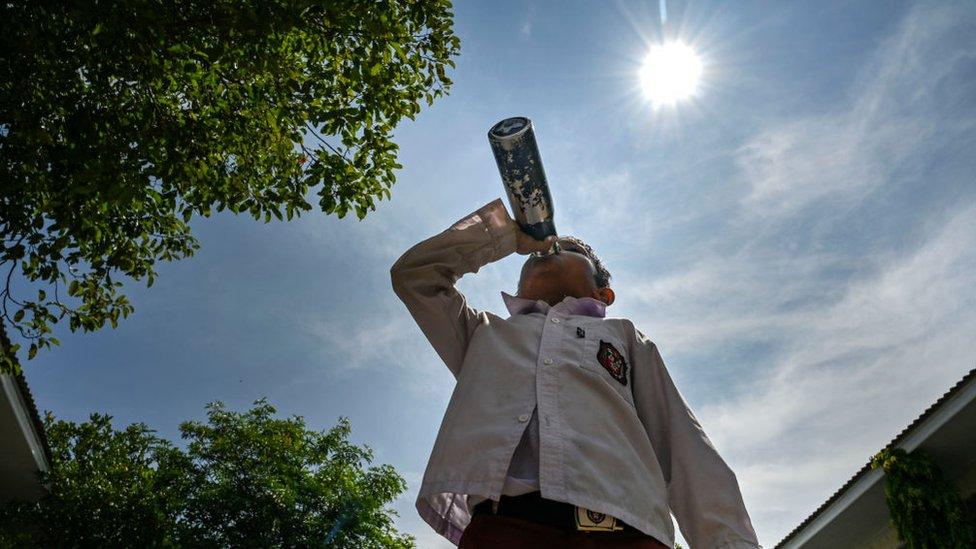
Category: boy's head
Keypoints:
(574, 271)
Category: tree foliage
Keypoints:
(122, 119)
(925, 508)
(244, 479)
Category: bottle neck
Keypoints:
(540, 230)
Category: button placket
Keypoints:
(544, 395)
(551, 447)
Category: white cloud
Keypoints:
(380, 340)
(525, 30)
(360, 341)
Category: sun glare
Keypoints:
(670, 73)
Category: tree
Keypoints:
(107, 488)
(120, 120)
(244, 479)
(269, 482)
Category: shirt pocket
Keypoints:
(605, 355)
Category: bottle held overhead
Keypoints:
(513, 143)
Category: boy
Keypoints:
(564, 428)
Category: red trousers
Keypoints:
(487, 531)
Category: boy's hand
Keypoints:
(525, 244)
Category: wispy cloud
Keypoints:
(378, 341)
(895, 112)
(841, 357)
(525, 31)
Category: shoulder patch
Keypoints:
(613, 361)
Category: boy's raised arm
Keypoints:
(702, 490)
(424, 277)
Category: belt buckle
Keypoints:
(592, 521)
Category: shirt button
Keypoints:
(556, 320)
(547, 361)
(523, 418)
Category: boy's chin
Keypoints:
(555, 300)
(552, 298)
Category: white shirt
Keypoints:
(615, 435)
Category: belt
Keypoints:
(534, 508)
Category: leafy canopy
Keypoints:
(122, 119)
(244, 480)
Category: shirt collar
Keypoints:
(570, 305)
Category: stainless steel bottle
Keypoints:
(517, 155)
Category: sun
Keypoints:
(670, 73)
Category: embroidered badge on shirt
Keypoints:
(580, 332)
(613, 361)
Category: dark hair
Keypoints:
(602, 275)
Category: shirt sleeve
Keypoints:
(424, 277)
(702, 490)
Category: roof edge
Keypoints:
(899, 439)
(28, 399)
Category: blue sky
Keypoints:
(799, 240)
